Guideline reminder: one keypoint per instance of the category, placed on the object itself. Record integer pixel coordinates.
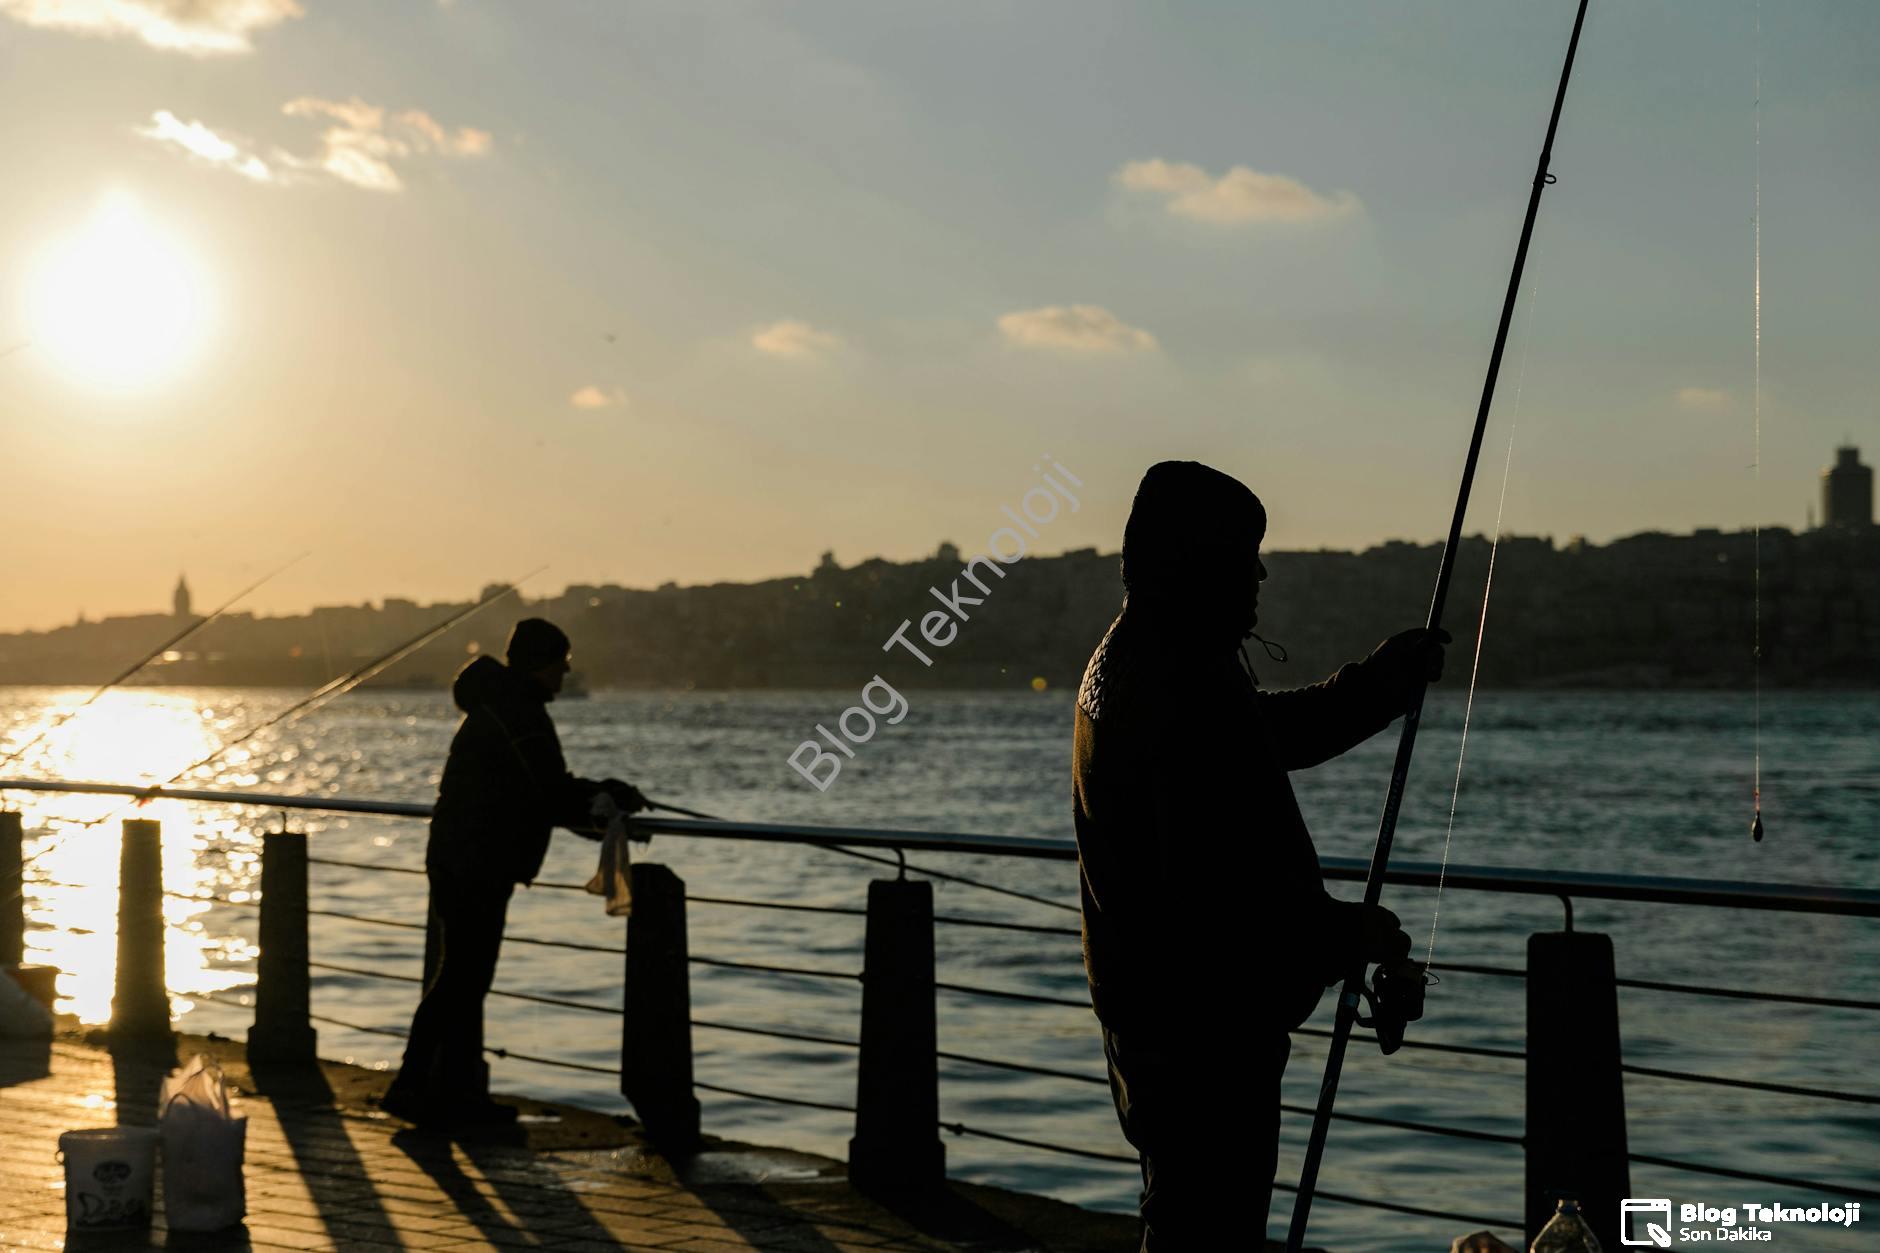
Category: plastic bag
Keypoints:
(614, 878)
(203, 1146)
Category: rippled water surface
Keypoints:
(1650, 784)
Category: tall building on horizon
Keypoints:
(179, 599)
(1847, 492)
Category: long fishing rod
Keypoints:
(337, 687)
(1349, 993)
(147, 658)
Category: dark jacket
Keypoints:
(505, 784)
(1203, 903)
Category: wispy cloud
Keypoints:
(1074, 328)
(795, 339)
(593, 397)
(365, 143)
(205, 145)
(1712, 400)
(1240, 197)
(198, 27)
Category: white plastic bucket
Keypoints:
(108, 1176)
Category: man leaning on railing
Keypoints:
(505, 787)
(1208, 933)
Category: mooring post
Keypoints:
(897, 1090)
(12, 890)
(140, 1008)
(656, 1012)
(1576, 1144)
(282, 1031)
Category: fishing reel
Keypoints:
(1395, 995)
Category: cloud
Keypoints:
(795, 339)
(1711, 400)
(205, 145)
(198, 27)
(592, 397)
(365, 142)
(1074, 328)
(1240, 197)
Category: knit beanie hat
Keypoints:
(536, 642)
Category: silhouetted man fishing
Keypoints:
(1208, 933)
(505, 786)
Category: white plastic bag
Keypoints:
(203, 1145)
(613, 879)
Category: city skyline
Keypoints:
(678, 293)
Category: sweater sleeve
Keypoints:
(557, 792)
(1315, 724)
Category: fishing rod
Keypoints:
(1350, 993)
(335, 687)
(147, 658)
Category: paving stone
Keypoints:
(326, 1170)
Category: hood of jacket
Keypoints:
(1191, 547)
(487, 681)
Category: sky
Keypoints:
(439, 293)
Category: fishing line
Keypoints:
(327, 691)
(1481, 626)
(1756, 822)
(149, 657)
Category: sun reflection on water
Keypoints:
(72, 844)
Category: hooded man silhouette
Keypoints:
(1208, 932)
(505, 787)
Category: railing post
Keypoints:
(656, 1012)
(12, 890)
(140, 1008)
(1576, 1144)
(897, 1091)
(283, 985)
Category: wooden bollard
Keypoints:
(656, 1012)
(140, 1008)
(897, 1146)
(1576, 1143)
(282, 1031)
(12, 890)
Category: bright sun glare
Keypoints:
(117, 303)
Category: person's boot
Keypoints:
(409, 1102)
(469, 1104)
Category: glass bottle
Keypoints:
(1566, 1232)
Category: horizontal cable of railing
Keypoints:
(1786, 1181)
(1023, 1068)
(773, 1098)
(1802, 898)
(1649, 985)
(1785, 1089)
(1753, 1085)
(1404, 1124)
(1647, 1072)
(1030, 998)
(964, 1129)
(1832, 1189)
(1686, 989)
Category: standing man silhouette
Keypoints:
(1208, 933)
(505, 786)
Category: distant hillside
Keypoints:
(1646, 611)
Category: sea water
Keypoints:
(1648, 783)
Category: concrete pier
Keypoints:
(327, 1170)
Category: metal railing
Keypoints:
(1566, 886)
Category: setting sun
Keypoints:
(117, 303)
